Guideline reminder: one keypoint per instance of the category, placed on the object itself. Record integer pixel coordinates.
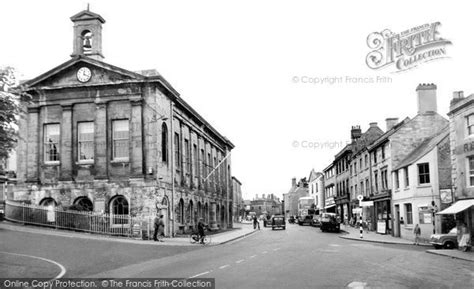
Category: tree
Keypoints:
(11, 99)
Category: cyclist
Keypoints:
(201, 227)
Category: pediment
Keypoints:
(66, 75)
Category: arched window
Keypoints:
(85, 203)
(47, 202)
(119, 210)
(164, 143)
(181, 211)
(189, 213)
(86, 41)
(206, 213)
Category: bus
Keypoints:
(305, 206)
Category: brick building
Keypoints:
(298, 190)
(329, 189)
(269, 205)
(120, 142)
(237, 201)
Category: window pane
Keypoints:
(51, 142)
(85, 140)
(120, 138)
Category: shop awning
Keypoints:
(457, 207)
(330, 206)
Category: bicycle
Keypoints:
(194, 238)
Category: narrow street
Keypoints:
(299, 257)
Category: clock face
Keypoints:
(84, 74)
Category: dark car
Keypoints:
(330, 222)
(2, 210)
(278, 221)
(447, 241)
(308, 219)
(291, 220)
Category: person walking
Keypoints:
(256, 223)
(156, 221)
(465, 238)
(161, 229)
(417, 232)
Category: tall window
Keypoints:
(164, 143)
(196, 160)
(216, 176)
(423, 173)
(407, 177)
(203, 164)
(470, 124)
(85, 139)
(187, 156)
(362, 187)
(120, 139)
(209, 167)
(355, 168)
(383, 152)
(367, 188)
(471, 170)
(366, 161)
(376, 181)
(409, 214)
(360, 164)
(375, 156)
(397, 180)
(177, 151)
(51, 142)
(384, 180)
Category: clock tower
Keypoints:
(87, 34)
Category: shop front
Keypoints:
(329, 205)
(381, 219)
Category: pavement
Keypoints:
(239, 231)
(352, 233)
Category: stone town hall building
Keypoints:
(120, 142)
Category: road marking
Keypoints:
(200, 274)
(276, 249)
(63, 269)
(357, 285)
(224, 266)
(264, 252)
(239, 261)
(253, 256)
(334, 245)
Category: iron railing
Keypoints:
(92, 222)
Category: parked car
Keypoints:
(447, 241)
(2, 210)
(291, 220)
(278, 221)
(316, 221)
(308, 219)
(330, 222)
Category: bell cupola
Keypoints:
(87, 34)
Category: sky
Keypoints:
(283, 80)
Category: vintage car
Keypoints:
(278, 221)
(267, 220)
(291, 220)
(308, 219)
(316, 222)
(330, 222)
(447, 241)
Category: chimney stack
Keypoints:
(457, 96)
(293, 182)
(373, 124)
(356, 132)
(426, 98)
(391, 122)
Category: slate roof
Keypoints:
(425, 147)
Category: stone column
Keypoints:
(136, 138)
(66, 144)
(212, 213)
(100, 141)
(33, 144)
